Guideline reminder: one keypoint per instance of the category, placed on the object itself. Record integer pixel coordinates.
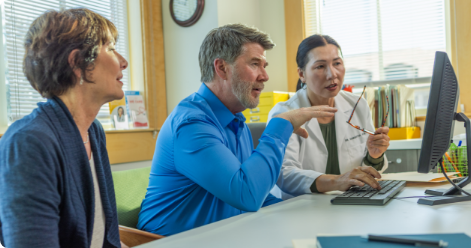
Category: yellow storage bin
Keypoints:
(258, 110)
(272, 98)
(257, 118)
(404, 133)
(267, 102)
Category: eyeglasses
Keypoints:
(362, 129)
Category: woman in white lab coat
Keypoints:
(335, 155)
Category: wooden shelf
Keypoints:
(137, 130)
(420, 118)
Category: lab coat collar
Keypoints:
(313, 124)
(344, 110)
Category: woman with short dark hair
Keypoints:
(55, 177)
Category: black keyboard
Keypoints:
(366, 195)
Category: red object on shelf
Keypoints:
(348, 88)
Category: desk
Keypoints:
(305, 216)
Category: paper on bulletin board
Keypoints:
(418, 177)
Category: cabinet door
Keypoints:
(402, 160)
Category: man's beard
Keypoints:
(243, 91)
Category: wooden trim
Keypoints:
(130, 146)
(295, 33)
(134, 237)
(127, 145)
(132, 130)
(2, 130)
(154, 62)
(460, 23)
(420, 118)
(139, 144)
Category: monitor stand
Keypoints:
(452, 194)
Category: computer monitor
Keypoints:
(439, 125)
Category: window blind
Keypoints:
(19, 14)
(381, 39)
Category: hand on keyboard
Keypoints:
(356, 177)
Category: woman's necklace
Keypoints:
(88, 139)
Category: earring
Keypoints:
(81, 81)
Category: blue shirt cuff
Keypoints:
(279, 128)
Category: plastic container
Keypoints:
(457, 158)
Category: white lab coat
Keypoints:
(306, 159)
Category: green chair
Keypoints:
(130, 188)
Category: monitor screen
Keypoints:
(441, 109)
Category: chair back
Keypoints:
(130, 188)
(256, 128)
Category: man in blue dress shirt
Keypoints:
(205, 168)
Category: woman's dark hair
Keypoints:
(311, 42)
(52, 37)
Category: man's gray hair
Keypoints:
(226, 43)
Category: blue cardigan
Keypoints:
(46, 186)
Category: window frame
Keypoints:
(147, 75)
(19, 103)
(296, 31)
(3, 90)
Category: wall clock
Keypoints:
(186, 12)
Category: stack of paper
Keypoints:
(418, 177)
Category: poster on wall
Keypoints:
(136, 109)
(118, 114)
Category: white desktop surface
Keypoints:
(306, 216)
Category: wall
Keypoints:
(240, 11)
(183, 75)
(136, 61)
(268, 16)
(272, 21)
(182, 45)
(181, 52)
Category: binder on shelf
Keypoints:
(401, 105)
(407, 105)
(370, 99)
(401, 118)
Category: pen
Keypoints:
(407, 241)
